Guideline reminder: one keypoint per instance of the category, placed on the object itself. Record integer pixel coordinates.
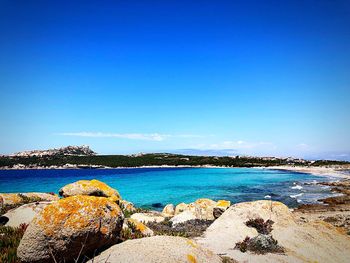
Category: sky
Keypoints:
(210, 77)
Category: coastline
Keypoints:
(334, 172)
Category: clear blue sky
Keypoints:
(250, 77)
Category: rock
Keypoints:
(148, 217)
(146, 231)
(126, 205)
(183, 217)
(180, 208)
(92, 188)
(24, 213)
(202, 208)
(20, 198)
(70, 226)
(303, 241)
(1, 202)
(165, 249)
(168, 210)
(220, 208)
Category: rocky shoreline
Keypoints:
(92, 222)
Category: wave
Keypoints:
(297, 195)
(298, 187)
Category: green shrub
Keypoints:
(9, 241)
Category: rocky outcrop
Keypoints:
(24, 214)
(90, 187)
(148, 217)
(204, 208)
(127, 206)
(72, 226)
(69, 150)
(303, 241)
(21, 198)
(169, 210)
(165, 249)
(180, 208)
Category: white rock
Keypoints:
(24, 213)
(161, 249)
(183, 217)
(148, 217)
(315, 241)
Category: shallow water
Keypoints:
(147, 187)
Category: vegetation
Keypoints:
(155, 160)
(263, 227)
(9, 241)
(189, 229)
(130, 232)
(264, 242)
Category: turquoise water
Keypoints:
(155, 187)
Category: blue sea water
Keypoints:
(155, 187)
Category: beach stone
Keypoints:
(307, 241)
(148, 217)
(128, 206)
(24, 213)
(90, 187)
(145, 230)
(20, 198)
(165, 249)
(220, 208)
(183, 217)
(70, 226)
(169, 210)
(180, 208)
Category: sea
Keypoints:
(156, 187)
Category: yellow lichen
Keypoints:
(191, 243)
(87, 186)
(76, 212)
(191, 258)
(223, 203)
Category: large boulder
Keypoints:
(24, 214)
(90, 187)
(313, 241)
(165, 249)
(21, 198)
(169, 210)
(70, 227)
(148, 217)
(203, 208)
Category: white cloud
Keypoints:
(131, 136)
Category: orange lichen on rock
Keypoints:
(75, 213)
(191, 243)
(90, 187)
